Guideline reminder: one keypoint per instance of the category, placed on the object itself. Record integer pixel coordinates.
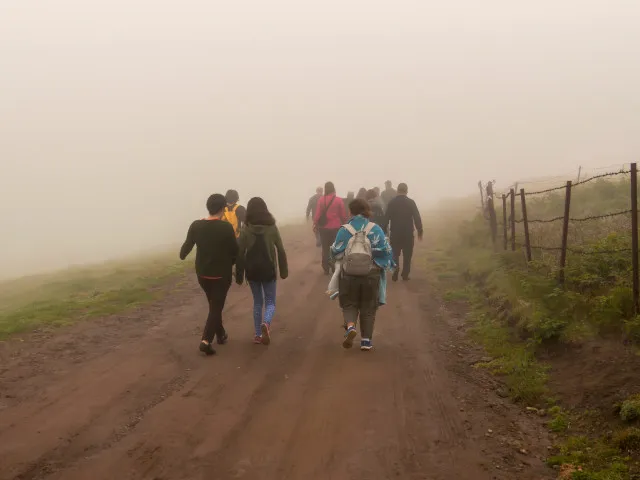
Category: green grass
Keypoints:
(64, 297)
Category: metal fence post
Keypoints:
(525, 221)
(513, 219)
(634, 238)
(504, 220)
(565, 232)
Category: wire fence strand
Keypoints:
(582, 219)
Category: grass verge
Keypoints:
(64, 297)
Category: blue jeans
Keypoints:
(264, 297)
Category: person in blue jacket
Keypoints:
(360, 296)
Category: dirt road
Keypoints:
(129, 397)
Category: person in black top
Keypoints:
(217, 250)
(377, 210)
(311, 212)
(402, 216)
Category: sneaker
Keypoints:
(222, 340)
(266, 334)
(257, 340)
(366, 345)
(395, 276)
(405, 279)
(207, 349)
(348, 337)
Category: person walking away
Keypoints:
(234, 213)
(217, 250)
(403, 218)
(377, 209)
(261, 255)
(362, 193)
(365, 256)
(388, 194)
(347, 200)
(330, 215)
(311, 212)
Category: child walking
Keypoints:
(261, 257)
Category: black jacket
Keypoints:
(402, 216)
(217, 248)
(311, 206)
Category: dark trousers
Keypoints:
(327, 237)
(216, 291)
(359, 298)
(403, 245)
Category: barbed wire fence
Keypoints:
(509, 221)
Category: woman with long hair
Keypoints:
(261, 257)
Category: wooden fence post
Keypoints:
(565, 231)
(493, 222)
(481, 196)
(504, 220)
(513, 219)
(525, 221)
(634, 238)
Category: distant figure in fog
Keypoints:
(388, 194)
(261, 255)
(217, 250)
(311, 212)
(329, 216)
(234, 213)
(377, 209)
(403, 218)
(347, 201)
(362, 194)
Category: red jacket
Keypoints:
(336, 215)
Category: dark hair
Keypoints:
(329, 188)
(402, 188)
(362, 193)
(388, 183)
(216, 203)
(258, 213)
(232, 196)
(371, 194)
(360, 207)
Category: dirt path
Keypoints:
(130, 398)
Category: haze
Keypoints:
(119, 117)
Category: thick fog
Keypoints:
(119, 117)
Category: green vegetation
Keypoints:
(64, 297)
(518, 307)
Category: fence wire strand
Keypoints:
(578, 251)
(583, 219)
(582, 182)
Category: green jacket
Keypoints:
(274, 246)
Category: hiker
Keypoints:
(234, 213)
(330, 215)
(365, 255)
(402, 218)
(311, 212)
(362, 194)
(347, 200)
(217, 250)
(377, 209)
(259, 243)
(388, 194)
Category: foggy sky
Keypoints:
(118, 118)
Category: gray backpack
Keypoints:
(358, 258)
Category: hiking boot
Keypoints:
(257, 340)
(395, 276)
(222, 340)
(405, 278)
(366, 345)
(266, 334)
(348, 337)
(207, 349)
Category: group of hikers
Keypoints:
(362, 238)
